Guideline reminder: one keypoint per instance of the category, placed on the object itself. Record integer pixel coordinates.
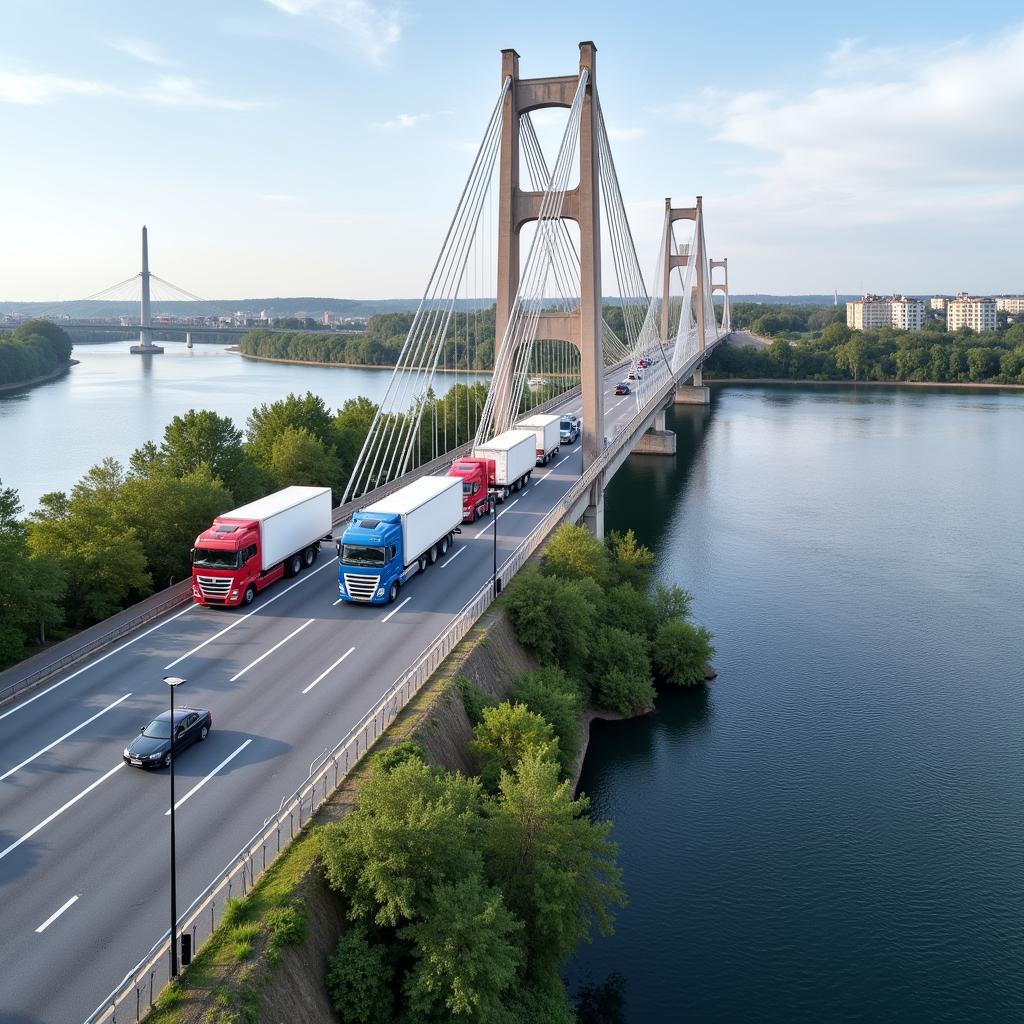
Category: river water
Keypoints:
(833, 830)
(114, 401)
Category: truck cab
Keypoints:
(226, 563)
(370, 556)
(476, 477)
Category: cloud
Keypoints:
(143, 50)
(372, 29)
(32, 88)
(626, 134)
(181, 91)
(409, 120)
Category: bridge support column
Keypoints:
(658, 440)
(145, 345)
(188, 339)
(695, 394)
(593, 517)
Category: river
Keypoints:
(833, 830)
(114, 401)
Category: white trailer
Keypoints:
(430, 508)
(511, 457)
(546, 430)
(289, 520)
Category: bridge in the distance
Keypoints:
(301, 684)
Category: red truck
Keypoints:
(249, 548)
(494, 470)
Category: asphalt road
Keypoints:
(84, 839)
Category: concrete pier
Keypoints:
(657, 440)
(695, 394)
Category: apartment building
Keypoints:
(872, 311)
(937, 303)
(976, 312)
(1013, 304)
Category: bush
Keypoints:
(474, 700)
(505, 734)
(681, 650)
(620, 691)
(388, 760)
(359, 979)
(574, 553)
(559, 700)
(287, 925)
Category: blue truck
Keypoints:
(388, 542)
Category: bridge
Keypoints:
(300, 685)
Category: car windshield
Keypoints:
(357, 554)
(566, 424)
(207, 558)
(158, 729)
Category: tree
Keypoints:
(297, 457)
(56, 339)
(268, 422)
(559, 700)
(503, 736)
(681, 651)
(619, 668)
(415, 828)
(574, 553)
(467, 950)
(852, 356)
(351, 425)
(359, 979)
(556, 868)
(631, 561)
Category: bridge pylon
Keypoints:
(145, 345)
(723, 287)
(581, 326)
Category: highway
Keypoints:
(84, 839)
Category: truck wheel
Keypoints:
(445, 544)
(423, 563)
(433, 554)
(293, 566)
(309, 555)
(393, 593)
(250, 594)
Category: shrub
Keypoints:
(670, 602)
(626, 693)
(681, 650)
(631, 561)
(474, 700)
(505, 734)
(388, 760)
(559, 700)
(574, 553)
(359, 978)
(631, 609)
(288, 925)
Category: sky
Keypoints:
(319, 147)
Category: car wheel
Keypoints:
(204, 732)
(167, 759)
(250, 594)
(445, 543)
(393, 593)
(309, 556)
(433, 554)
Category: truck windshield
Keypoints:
(356, 554)
(206, 558)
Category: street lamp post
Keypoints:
(172, 682)
(494, 532)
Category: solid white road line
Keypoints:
(576, 449)
(53, 917)
(60, 810)
(249, 615)
(266, 654)
(84, 668)
(397, 609)
(453, 557)
(544, 477)
(487, 529)
(327, 671)
(202, 782)
(70, 732)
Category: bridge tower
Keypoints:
(145, 345)
(580, 327)
(723, 287)
(698, 394)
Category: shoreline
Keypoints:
(32, 381)
(863, 383)
(339, 366)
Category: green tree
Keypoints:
(620, 670)
(504, 735)
(297, 457)
(556, 868)
(351, 425)
(268, 422)
(680, 651)
(415, 828)
(631, 561)
(559, 700)
(360, 979)
(467, 951)
(574, 553)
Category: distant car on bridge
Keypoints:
(152, 747)
(622, 388)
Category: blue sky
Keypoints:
(318, 147)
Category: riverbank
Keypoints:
(862, 383)
(341, 366)
(33, 381)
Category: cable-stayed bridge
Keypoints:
(301, 685)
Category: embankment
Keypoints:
(32, 381)
(340, 366)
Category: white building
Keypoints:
(938, 302)
(971, 311)
(872, 312)
(1013, 304)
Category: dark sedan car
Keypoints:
(622, 388)
(152, 747)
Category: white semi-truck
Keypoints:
(397, 536)
(507, 460)
(546, 430)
